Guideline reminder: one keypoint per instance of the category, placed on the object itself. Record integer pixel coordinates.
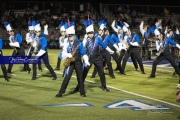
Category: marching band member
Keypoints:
(118, 28)
(133, 43)
(62, 41)
(40, 46)
(73, 49)
(3, 67)
(146, 53)
(16, 43)
(106, 38)
(30, 39)
(164, 53)
(92, 44)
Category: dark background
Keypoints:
(136, 2)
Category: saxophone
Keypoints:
(68, 61)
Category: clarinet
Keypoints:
(161, 47)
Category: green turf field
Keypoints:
(24, 99)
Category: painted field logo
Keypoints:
(136, 105)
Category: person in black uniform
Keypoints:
(16, 43)
(92, 44)
(30, 36)
(164, 53)
(73, 48)
(3, 67)
(133, 43)
(117, 26)
(40, 44)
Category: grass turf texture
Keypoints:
(22, 98)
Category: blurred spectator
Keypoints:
(133, 14)
(36, 8)
(81, 8)
(134, 23)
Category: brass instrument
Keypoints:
(35, 41)
(68, 61)
(127, 45)
(160, 49)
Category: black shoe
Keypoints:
(54, 78)
(33, 78)
(106, 90)
(40, 69)
(151, 76)
(174, 73)
(8, 71)
(123, 74)
(57, 68)
(112, 75)
(116, 69)
(24, 69)
(28, 70)
(7, 79)
(143, 72)
(74, 91)
(58, 95)
(93, 76)
(83, 95)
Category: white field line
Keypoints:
(129, 92)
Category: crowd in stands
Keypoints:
(130, 14)
(53, 13)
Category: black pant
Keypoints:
(29, 52)
(78, 69)
(132, 51)
(107, 58)
(116, 59)
(3, 67)
(122, 54)
(162, 56)
(17, 52)
(45, 59)
(146, 54)
(98, 64)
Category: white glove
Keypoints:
(46, 26)
(69, 55)
(178, 46)
(120, 46)
(34, 44)
(46, 29)
(15, 44)
(134, 43)
(41, 52)
(28, 38)
(109, 50)
(161, 44)
(86, 60)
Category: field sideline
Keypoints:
(24, 99)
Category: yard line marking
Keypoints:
(132, 93)
(13, 74)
